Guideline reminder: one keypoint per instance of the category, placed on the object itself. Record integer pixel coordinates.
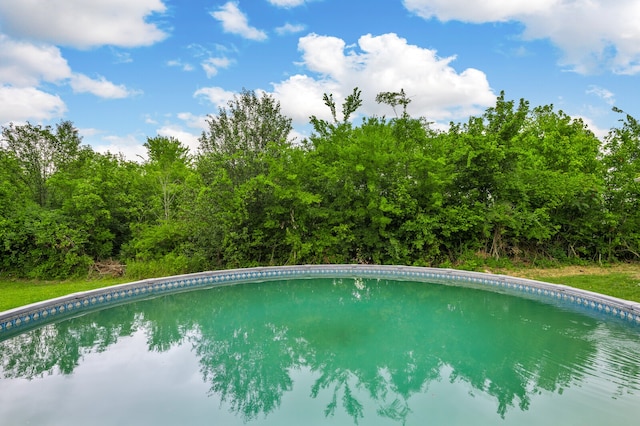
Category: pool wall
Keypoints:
(17, 320)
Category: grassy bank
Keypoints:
(622, 280)
(14, 293)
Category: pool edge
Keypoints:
(15, 320)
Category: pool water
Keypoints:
(325, 351)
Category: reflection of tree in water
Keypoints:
(248, 339)
(249, 368)
(60, 346)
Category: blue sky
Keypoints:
(125, 70)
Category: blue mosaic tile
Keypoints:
(89, 300)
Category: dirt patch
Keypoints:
(110, 268)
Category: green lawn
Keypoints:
(621, 281)
(14, 293)
(615, 284)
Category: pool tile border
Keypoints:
(16, 320)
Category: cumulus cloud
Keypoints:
(100, 87)
(23, 67)
(214, 95)
(130, 146)
(187, 130)
(81, 23)
(211, 66)
(234, 21)
(381, 63)
(592, 34)
(598, 131)
(19, 104)
(193, 121)
(188, 139)
(25, 64)
(289, 29)
(300, 97)
(475, 11)
(385, 63)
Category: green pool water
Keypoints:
(325, 351)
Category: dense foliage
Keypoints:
(517, 183)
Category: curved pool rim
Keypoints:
(15, 321)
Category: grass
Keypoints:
(14, 293)
(621, 280)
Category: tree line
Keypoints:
(517, 183)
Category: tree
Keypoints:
(167, 169)
(243, 130)
(378, 188)
(247, 124)
(161, 238)
(41, 151)
(524, 181)
(622, 196)
(233, 165)
(350, 105)
(394, 99)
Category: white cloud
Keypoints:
(477, 11)
(121, 57)
(287, 3)
(100, 87)
(602, 93)
(215, 95)
(212, 65)
(187, 138)
(129, 146)
(599, 132)
(376, 64)
(300, 97)
(178, 63)
(25, 64)
(592, 34)
(194, 121)
(89, 132)
(235, 22)
(82, 23)
(148, 119)
(19, 104)
(289, 29)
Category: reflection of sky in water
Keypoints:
(167, 389)
(161, 388)
(172, 383)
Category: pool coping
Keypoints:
(16, 320)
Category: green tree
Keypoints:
(379, 189)
(564, 183)
(243, 130)
(394, 99)
(524, 181)
(167, 169)
(102, 195)
(161, 238)
(41, 151)
(622, 197)
(233, 164)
